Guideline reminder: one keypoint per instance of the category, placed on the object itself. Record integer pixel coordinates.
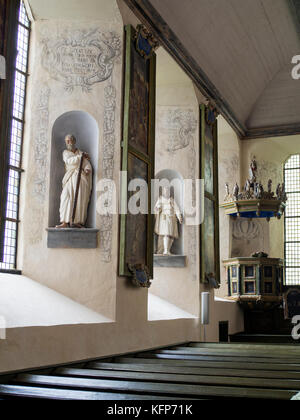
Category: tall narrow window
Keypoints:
(292, 220)
(15, 130)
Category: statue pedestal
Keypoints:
(72, 238)
(178, 261)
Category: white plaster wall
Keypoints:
(177, 133)
(89, 277)
(74, 273)
(229, 171)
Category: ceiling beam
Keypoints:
(275, 131)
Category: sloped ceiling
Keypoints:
(72, 9)
(238, 52)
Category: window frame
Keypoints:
(289, 217)
(12, 127)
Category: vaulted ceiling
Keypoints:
(238, 53)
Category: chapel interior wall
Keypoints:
(89, 276)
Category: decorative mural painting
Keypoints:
(209, 231)
(40, 169)
(108, 152)
(181, 125)
(81, 58)
(136, 230)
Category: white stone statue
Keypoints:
(227, 189)
(236, 190)
(167, 213)
(270, 186)
(278, 191)
(252, 171)
(247, 186)
(72, 182)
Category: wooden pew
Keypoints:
(290, 384)
(166, 389)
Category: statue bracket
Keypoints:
(72, 238)
(140, 275)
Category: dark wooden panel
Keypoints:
(2, 24)
(151, 388)
(195, 370)
(182, 378)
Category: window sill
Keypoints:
(10, 271)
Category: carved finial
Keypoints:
(236, 190)
(146, 43)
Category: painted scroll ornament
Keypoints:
(81, 59)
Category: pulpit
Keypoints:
(255, 280)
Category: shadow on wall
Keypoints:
(85, 128)
(176, 180)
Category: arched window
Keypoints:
(292, 220)
(12, 126)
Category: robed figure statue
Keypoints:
(76, 186)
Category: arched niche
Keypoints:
(85, 128)
(177, 191)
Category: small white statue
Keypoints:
(167, 213)
(227, 189)
(278, 191)
(247, 186)
(283, 193)
(227, 193)
(236, 190)
(270, 186)
(260, 190)
(252, 171)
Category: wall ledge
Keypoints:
(178, 261)
(72, 238)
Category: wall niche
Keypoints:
(177, 259)
(85, 128)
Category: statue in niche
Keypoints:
(76, 186)
(167, 213)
